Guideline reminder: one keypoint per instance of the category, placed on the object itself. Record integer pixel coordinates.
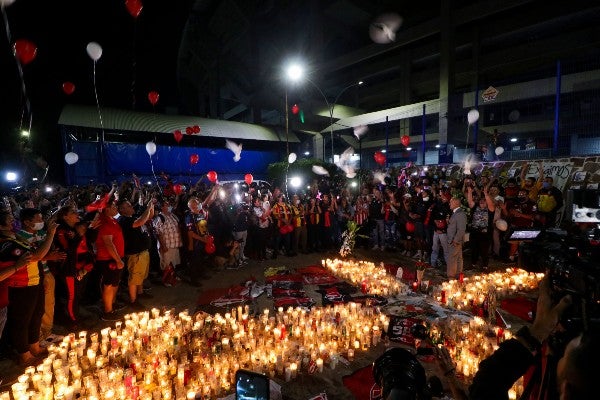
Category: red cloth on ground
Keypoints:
(362, 384)
(521, 307)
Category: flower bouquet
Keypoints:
(349, 238)
(421, 266)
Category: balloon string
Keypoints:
(287, 169)
(98, 102)
(467, 144)
(133, 66)
(20, 70)
(153, 174)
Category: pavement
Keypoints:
(184, 296)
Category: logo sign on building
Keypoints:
(489, 94)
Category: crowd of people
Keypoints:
(83, 244)
(80, 244)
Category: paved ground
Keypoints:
(184, 296)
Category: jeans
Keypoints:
(439, 239)
(378, 233)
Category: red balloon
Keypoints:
(68, 88)
(379, 157)
(153, 97)
(295, 109)
(410, 226)
(405, 140)
(178, 189)
(248, 178)
(195, 129)
(212, 176)
(210, 238)
(134, 7)
(210, 248)
(25, 51)
(194, 158)
(178, 135)
(189, 130)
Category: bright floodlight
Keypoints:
(25, 133)
(307, 153)
(354, 184)
(437, 146)
(295, 182)
(360, 82)
(11, 176)
(408, 148)
(384, 151)
(513, 139)
(294, 72)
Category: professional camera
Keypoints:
(571, 273)
(400, 375)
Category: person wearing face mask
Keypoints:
(166, 229)
(26, 287)
(550, 200)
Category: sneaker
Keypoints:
(118, 306)
(417, 255)
(110, 316)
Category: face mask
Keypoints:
(546, 185)
(170, 208)
(425, 198)
(38, 226)
(297, 202)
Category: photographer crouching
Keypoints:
(556, 373)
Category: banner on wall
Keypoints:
(559, 171)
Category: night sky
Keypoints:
(140, 52)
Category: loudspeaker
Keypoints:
(584, 205)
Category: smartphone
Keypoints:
(251, 385)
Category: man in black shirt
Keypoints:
(137, 245)
(376, 217)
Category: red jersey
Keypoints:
(109, 227)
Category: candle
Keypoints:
(294, 369)
(288, 374)
(350, 354)
(319, 364)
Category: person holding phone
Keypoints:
(25, 286)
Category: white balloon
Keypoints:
(292, 157)
(94, 50)
(319, 170)
(499, 150)
(6, 3)
(383, 29)
(71, 158)
(150, 148)
(501, 225)
(472, 116)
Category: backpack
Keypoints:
(546, 203)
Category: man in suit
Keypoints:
(457, 226)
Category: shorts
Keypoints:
(111, 276)
(138, 265)
(170, 257)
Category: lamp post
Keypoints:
(295, 73)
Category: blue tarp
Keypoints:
(123, 159)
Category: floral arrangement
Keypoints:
(349, 238)
(422, 265)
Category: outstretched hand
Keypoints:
(548, 314)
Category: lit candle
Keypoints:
(294, 369)
(320, 364)
(350, 354)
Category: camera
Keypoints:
(400, 375)
(570, 272)
(251, 385)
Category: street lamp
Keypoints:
(295, 72)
